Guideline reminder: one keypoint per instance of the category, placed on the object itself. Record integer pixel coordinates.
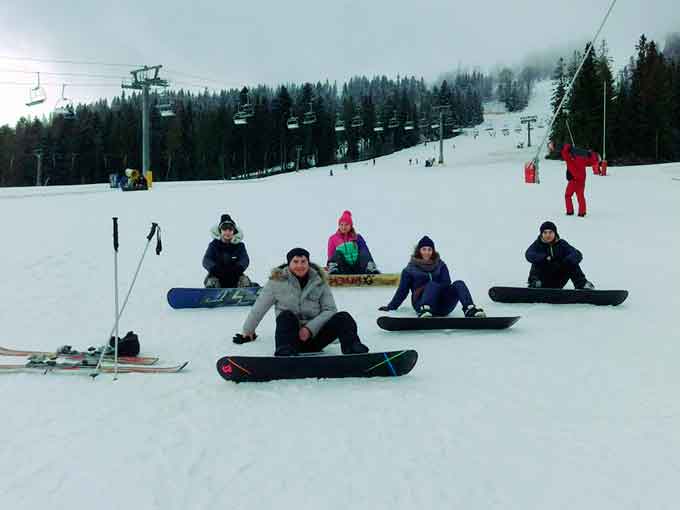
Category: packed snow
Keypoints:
(575, 406)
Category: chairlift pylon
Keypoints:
(36, 95)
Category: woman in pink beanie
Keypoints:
(348, 253)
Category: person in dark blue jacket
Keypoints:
(432, 292)
(554, 261)
(226, 258)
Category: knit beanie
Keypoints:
(425, 241)
(226, 221)
(346, 217)
(297, 252)
(548, 225)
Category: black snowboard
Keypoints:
(414, 323)
(268, 368)
(557, 296)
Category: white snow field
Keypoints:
(575, 407)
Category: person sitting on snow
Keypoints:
(347, 251)
(554, 261)
(432, 292)
(226, 258)
(307, 319)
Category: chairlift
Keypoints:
(167, 107)
(357, 121)
(393, 122)
(339, 125)
(435, 126)
(36, 95)
(378, 128)
(240, 119)
(423, 122)
(408, 126)
(292, 123)
(310, 116)
(64, 106)
(246, 110)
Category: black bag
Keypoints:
(127, 346)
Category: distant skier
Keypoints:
(554, 261)
(432, 292)
(307, 319)
(226, 258)
(577, 160)
(348, 253)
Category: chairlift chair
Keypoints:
(435, 126)
(394, 122)
(357, 121)
(247, 110)
(339, 125)
(292, 123)
(378, 128)
(309, 118)
(240, 119)
(64, 106)
(408, 126)
(36, 95)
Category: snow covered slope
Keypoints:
(574, 407)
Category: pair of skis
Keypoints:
(74, 361)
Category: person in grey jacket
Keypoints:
(307, 319)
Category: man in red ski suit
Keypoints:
(577, 160)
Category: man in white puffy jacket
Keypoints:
(307, 319)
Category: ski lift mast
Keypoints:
(143, 79)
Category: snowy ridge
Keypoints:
(573, 407)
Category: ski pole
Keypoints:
(115, 280)
(155, 230)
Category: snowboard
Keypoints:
(212, 298)
(364, 280)
(557, 296)
(269, 368)
(415, 323)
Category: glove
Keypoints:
(384, 308)
(240, 339)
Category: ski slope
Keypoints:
(574, 407)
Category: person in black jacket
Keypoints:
(226, 258)
(554, 261)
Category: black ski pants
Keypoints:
(555, 275)
(340, 326)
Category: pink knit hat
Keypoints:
(346, 217)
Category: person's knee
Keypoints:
(344, 317)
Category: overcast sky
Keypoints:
(227, 44)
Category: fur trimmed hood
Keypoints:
(216, 234)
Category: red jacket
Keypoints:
(577, 160)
